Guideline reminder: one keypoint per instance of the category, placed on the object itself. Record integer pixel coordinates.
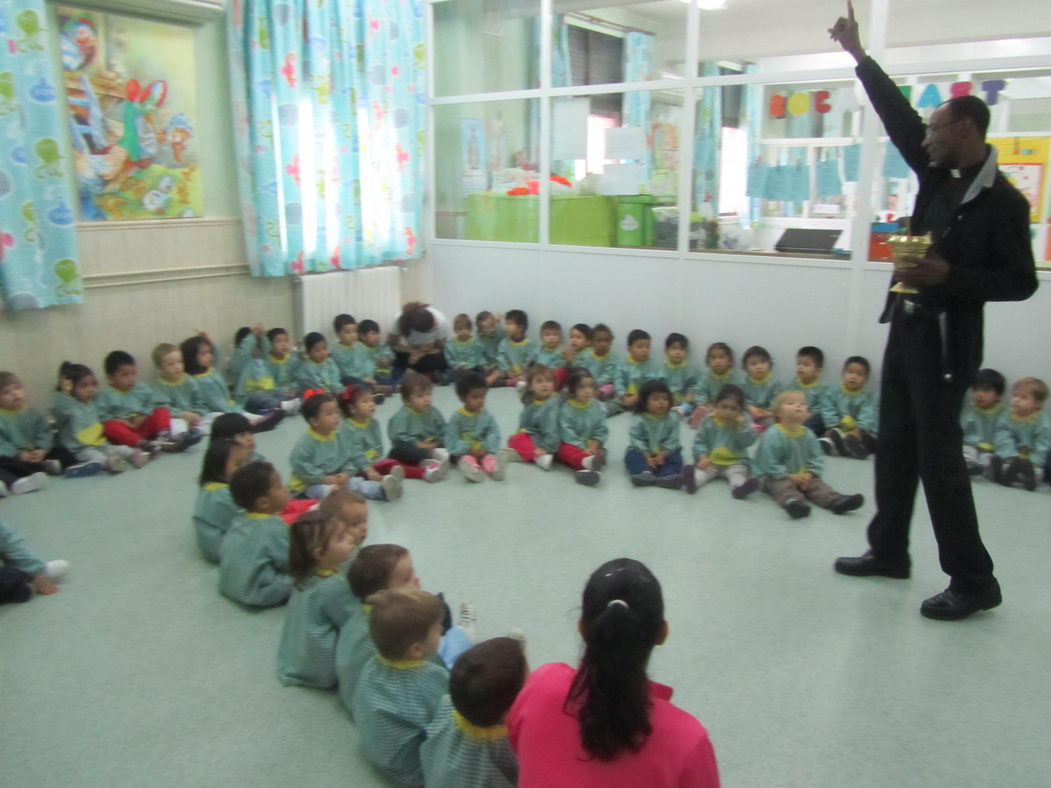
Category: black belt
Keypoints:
(915, 311)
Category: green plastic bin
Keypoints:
(635, 220)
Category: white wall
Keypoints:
(781, 306)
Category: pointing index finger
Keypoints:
(850, 11)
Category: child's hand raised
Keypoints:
(258, 329)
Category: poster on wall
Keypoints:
(1024, 161)
(132, 99)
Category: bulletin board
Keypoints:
(1024, 160)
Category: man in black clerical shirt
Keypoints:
(980, 226)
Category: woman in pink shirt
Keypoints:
(606, 724)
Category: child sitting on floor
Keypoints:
(467, 741)
(538, 437)
(379, 567)
(214, 510)
(399, 690)
(719, 363)
(321, 459)
(127, 407)
(604, 361)
(720, 447)
(582, 429)
(417, 430)
(463, 351)
(810, 361)
(200, 358)
(489, 335)
(176, 390)
(283, 362)
(321, 545)
(27, 453)
(348, 354)
(578, 353)
(378, 355)
(21, 573)
(760, 387)
(654, 456)
(516, 352)
(253, 557)
(317, 372)
(472, 436)
(789, 462)
(256, 390)
(980, 419)
(678, 374)
(1023, 437)
(632, 372)
(364, 440)
(79, 424)
(551, 352)
(851, 413)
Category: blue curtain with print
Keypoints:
(38, 243)
(329, 106)
(707, 133)
(638, 67)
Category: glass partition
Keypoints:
(485, 153)
(486, 46)
(615, 169)
(621, 42)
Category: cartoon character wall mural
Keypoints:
(131, 90)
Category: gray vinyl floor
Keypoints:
(139, 674)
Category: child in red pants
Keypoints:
(582, 424)
(538, 439)
(364, 440)
(128, 413)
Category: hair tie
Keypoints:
(620, 602)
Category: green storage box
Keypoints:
(635, 220)
(576, 220)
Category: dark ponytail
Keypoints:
(621, 621)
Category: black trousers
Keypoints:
(408, 452)
(433, 362)
(920, 440)
(14, 585)
(12, 469)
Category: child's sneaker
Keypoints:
(689, 479)
(291, 406)
(520, 386)
(855, 448)
(470, 470)
(189, 438)
(673, 482)
(391, 483)
(517, 633)
(745, 488)
(57, 569)
(797, 508)
(835, 438)
(433, 471)
(974, 468)
(28, 484)
(379, 399)
(52, 467)
(1026, 474)
(587, 477)
(496, 464)
(467, 620)
(594, 462)
(116, 464)
(441, 455)
(3, 490)
(544, 461)
(846, 503)
(139, 458)
(644, 479)
(82, 469)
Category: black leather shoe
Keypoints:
(868, 565)
(797, 508)
(952, 605)
(847, 503)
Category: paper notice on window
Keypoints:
(621, 179)
(627, 142)
(569, 122)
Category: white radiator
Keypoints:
(365, 293)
